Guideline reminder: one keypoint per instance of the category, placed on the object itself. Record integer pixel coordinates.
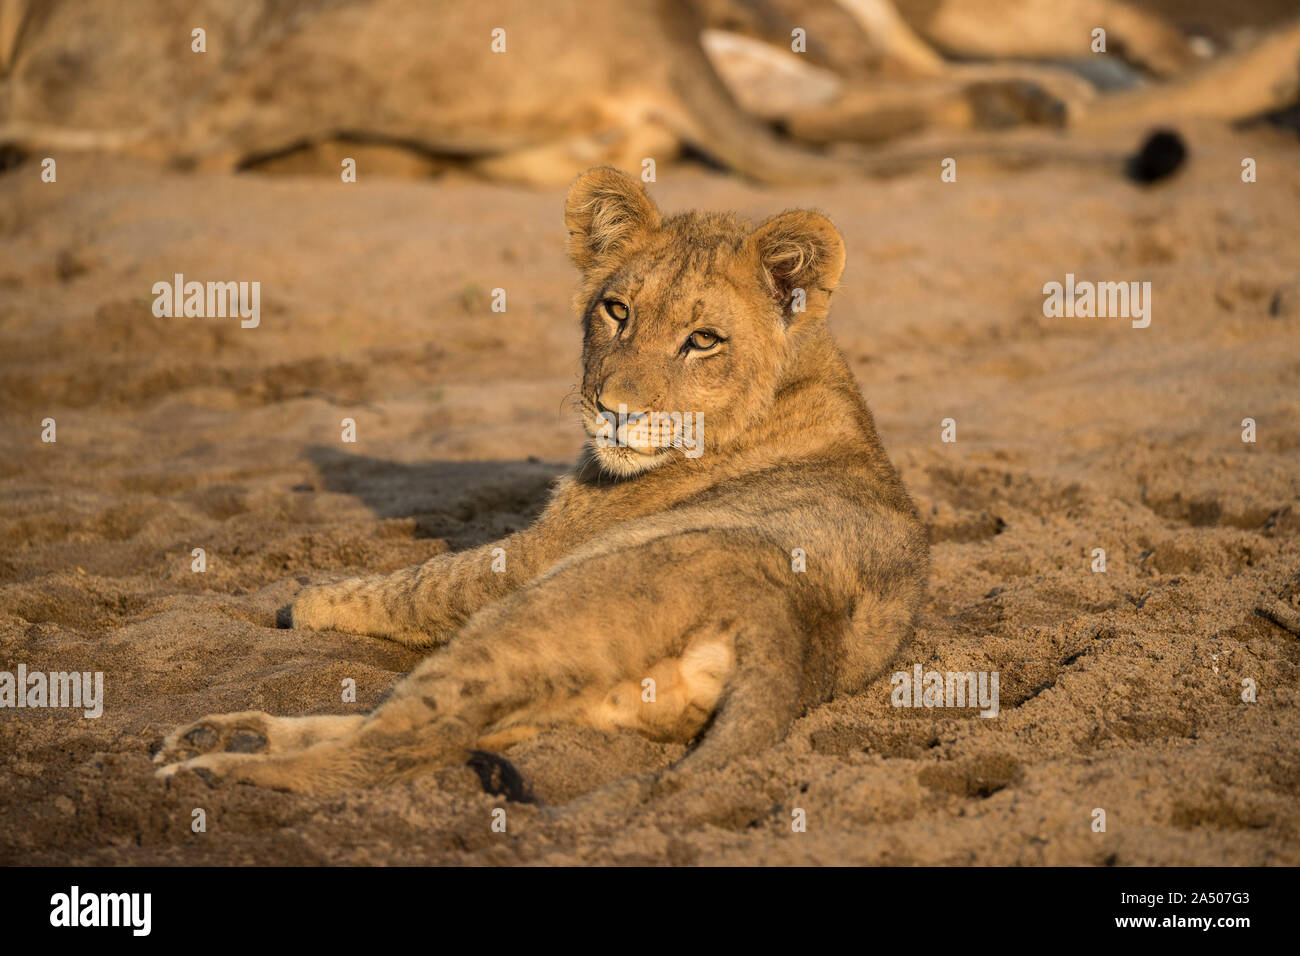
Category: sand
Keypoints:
(1119, 690)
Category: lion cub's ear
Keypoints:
(799, 252)
(606, 212)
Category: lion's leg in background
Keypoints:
(1048, 29)
(1238, 86)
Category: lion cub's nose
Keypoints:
(611, 406)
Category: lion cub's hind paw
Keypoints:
(499, 777)
(243, 733)
(207, 767)
(171, 769)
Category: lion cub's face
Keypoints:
(690, 322)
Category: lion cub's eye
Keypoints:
(702, 341)
(616, 310)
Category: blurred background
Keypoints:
(134, 148)
(537, 92)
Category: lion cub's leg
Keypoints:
(573, 636)
(423, 605)
(252, 731)
(757, 707)
(380, 605)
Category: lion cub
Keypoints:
(778, 564)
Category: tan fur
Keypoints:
(299, 83)
(1254, 81)
(578, 84)
(647, 564)
(1048, 29)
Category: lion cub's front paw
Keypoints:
(313, 608)
(355, 605)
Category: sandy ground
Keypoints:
(1119, 690)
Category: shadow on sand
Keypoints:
(465, 502)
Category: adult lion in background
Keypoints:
(780, 566)
(534, 93)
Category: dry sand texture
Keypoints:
(1119, 690)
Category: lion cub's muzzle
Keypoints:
(646, 433)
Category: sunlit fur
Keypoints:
(782, 566)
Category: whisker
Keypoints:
(572, 388)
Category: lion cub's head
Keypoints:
(691, 322)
